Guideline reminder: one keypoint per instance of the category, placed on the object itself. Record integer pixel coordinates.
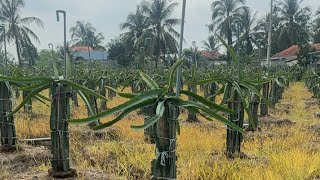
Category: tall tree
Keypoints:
(224, 13)
(248, 27)
(262, 29)
(84, 34)
(294, 22)
(316, 27)
(17, 29)
(158, 13)
(137, 25)
(97, 41)
(118, 52)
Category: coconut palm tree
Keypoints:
(294, 22)
(81, 33)
(97, 42)
(248, 25)
(84, 34)
(158, 13)
(224, 13)
(137, 25)
(316, 27)
(17, 29)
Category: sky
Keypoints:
(107, 15)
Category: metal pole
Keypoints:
(64, 38)
(142, 65)
(270, 36)
(180, 48)
(195, 53)
(90, 60)
(50, 45)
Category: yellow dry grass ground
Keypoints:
(284, 153)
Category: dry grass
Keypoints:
(286, 153)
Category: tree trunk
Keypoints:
(149, 112)
(164, 165)
(264, 109)
(60, 112)
(17, 92)
(273, 93)
(18, 53)
(28, 106)
(234, 138)
(112, 94)
(213, 90)
(103, 92)
(7, 130)
(95, 109)
(75, 98)
(192, 117)
(253, 107)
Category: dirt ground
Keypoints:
(286, 147)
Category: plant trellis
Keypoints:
(8, 132)
(60, 112)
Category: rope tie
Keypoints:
(171, 147)
(28, 105)
(230, 129)
(163, 156)
(60, 132)
(172, 119)
(10, 99)
(235, 120)
(7, 123)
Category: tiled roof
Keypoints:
(209, 55)
(81, 48)
(291, 51)
(294, 50)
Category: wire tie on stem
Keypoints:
(7, 123)
(163, 156)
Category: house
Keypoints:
(215, 57)
(290, 56)
(87, 53)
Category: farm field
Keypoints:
(160, 90)
(288, 151)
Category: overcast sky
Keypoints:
(106, 15)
